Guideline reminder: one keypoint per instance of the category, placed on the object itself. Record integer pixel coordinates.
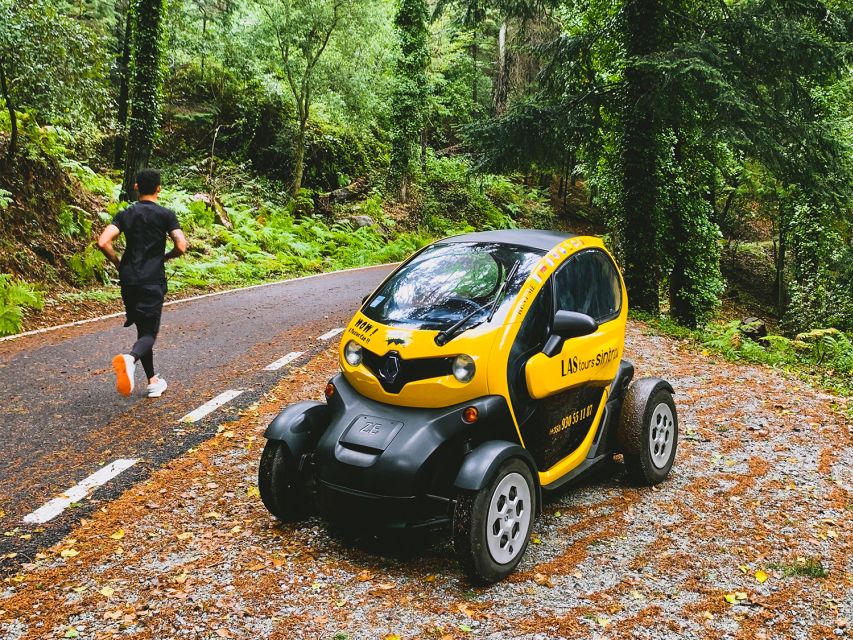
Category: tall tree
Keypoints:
(302, 30)
(123, 38)
(145, 84)
(409, 101)
(641, 215)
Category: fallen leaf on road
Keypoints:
(392, 636)
(543, 580)
(118, 535)
(71, 632)
(69, 553)
(364, 576)
(253, 492)
(213, 515)
(107, 592)
(761, 576)
(184, 536)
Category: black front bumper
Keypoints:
(405, 478)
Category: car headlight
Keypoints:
(352, 353)
(463, 368)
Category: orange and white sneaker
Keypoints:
(125, 368)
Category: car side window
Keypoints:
(589, 283)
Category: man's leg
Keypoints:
(143, 348)
(125, 364)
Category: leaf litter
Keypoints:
(761, 484)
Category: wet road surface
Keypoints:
(61, 419)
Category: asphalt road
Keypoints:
(61, 419)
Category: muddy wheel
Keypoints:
(282, 492)
(648, 431)
(491, 527)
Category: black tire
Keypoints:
(470, 536)
(282, 491)
(648, 432)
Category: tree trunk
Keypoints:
(474, 96)
(144, 91)
(779, 283)
(203, 44)
(10, 107)
(641, 218)
(501, 88)
(123, 89)
(299, 158)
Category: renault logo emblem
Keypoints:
(390, 369)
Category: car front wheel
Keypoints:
(491, 527)
(282, 491)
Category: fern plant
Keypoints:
(15, 296)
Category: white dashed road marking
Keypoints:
(79, 491)
(331, 334)
(278, 364)
(212, 405)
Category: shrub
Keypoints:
(15, 297)
(89, 266)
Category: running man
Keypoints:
(142, 275)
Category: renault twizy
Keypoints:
(486, 369)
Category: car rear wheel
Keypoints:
(282, 492)
(648, 432)
(491, 527)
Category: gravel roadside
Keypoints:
(748, 538)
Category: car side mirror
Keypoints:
(567, 325)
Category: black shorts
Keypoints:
(143, 301)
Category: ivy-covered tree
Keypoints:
(146, 79)
(410, 98)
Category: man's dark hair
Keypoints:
(147, 181)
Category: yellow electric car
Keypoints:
(486, 369)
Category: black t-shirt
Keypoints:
(145, 226)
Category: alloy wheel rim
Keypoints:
(661, 435)
(508, 520)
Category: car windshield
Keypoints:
(446, 283)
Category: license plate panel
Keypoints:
(373, 432)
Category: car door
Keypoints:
(567, 391)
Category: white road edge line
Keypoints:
(212, 405)
(77, 323)
(79, 491)
(331, 334)
(278, 364)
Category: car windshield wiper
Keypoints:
(448, 334)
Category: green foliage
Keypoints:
(5, 199)
(56, 66)
(15, 297)
(822, 355)
(88, 266)
(805, 567)
(90, 180)
(73, 221)
(452, 196)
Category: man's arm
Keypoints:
(180, 242)
(105, 243)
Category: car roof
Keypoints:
(531, 238)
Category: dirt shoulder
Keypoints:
(761, 485)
